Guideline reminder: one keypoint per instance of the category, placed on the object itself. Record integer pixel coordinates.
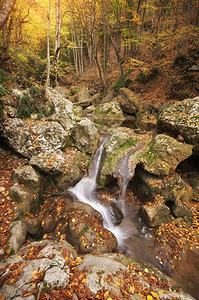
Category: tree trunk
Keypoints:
(57, 37)
(48, 45)
(5, 11)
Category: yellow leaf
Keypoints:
(84, 280)
(131, 289)
(109, 298)
(106, 294)
(66, 257)
(155, 295)
(149, 297)
(73, 220)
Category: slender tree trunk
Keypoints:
(48, 45)
(58, 4)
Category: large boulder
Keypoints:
(24, 197)
(30, 178)
(154, 215)
(63, 108)
(121, 154)
(82, 96)
(85, 135)
(164, 154)
(29, 138)
(182, 118)
(110, 109)
(88, 235)
(17, 236)
(169, 190)
(128, 101)
(39, 266)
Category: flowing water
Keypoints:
(134, 238)
(84, 190)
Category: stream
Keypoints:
(134, 238)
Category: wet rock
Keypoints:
(29, 177)
(87, 234)
(155, 215)
(29, 138)
(121, 141)
(63, 108)
(17, 236)
(24, 197)
(85, 135)
(181, 118)
(192, 179)
(128, 101)
(164, 154)
(85, 209)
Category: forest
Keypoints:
(104, 43)
(99, 149)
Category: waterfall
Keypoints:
(125, 174)
(84, 191)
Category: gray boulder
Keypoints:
(50, 162)
(82, 96)
(30, 177)
(63, 108)
(17, 236)
(85, 135)
(182, 118)
(24, 198)
(128, 101)
(121, 154)
(155, 214)
(164, 154)
(49, 269)
(31, 137)
(170, 188)
(88, 235)
(109, 109)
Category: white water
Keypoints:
(84, 191)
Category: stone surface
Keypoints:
(155, 215)
(49, 268)
(55, 278)
(63, 108)
(30, 177)
(85, 135)
(31, 137)
(128, 101)
(50, 162)
(112, 109)
(182, 118)
(87, 234)
(164, 154)
(24, 197)
(115, 164)
(17, 236)
(170, 188)
(82, 96)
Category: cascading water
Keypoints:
(84, 191)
